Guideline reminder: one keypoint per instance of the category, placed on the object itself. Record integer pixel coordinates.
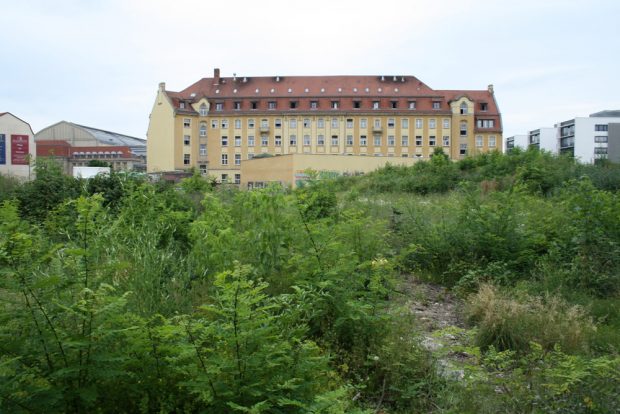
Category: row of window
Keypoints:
(313, 104)
(335, 140)
(320, 123)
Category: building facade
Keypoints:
(218, 122)
(588, 139)
(74, 145)
(17, 147)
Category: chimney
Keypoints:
(491, 89)
(162, 86)
(216, 76)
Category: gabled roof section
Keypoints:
(18, 118)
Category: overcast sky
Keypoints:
(98, 62)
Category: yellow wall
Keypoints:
(160, 151)
(286, 168)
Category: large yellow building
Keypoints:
(217, 123)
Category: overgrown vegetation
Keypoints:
(119, 295)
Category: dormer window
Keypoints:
(271, 105)
(293, 104)
(357, 104)
(436, 105)
(335, 104)
(314, 104)
(394, 104)
(375, 104)
(253, 104)
(237, 105)
(219, 106)
(182, 105)
(203, 110)
(484, 106)
(463, 108)
(411, 104)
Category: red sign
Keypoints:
(19, 149)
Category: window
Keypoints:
(271, 105)
(349, 140)
(307, 123)
(432, 124)
(411, 104)
(219, 106)
(203, 168)
(320, 140)
(492, 141)
(314, 104)
(237, 178)
(405, 155)
(224, 141)
(203, 149)
(250, 156)
(293, 104)
(600, 127)
(203, 129)
(463, 129)
(182, 105)
(264, 123)
(334, 104)
(600, 150)
(187, 123)
(186, 159)
(484, 106)
(224, 123)
(264, 140)
(391, 123)
(363, 140)
(377, 124)
(436, 105)
(375, 104)
(464, 108)
(237, 159)
(186, 139)
(251, 124)
(463, 149)
(237, 141)
(320, 123)
(250, 140)
(600, 139)
(363, 123)
(224, 178)
(292, 123)
(446, 140)
(377, 140)
(419, 123)
(214, 123)
(485, 123)
(334, 140)
(391, 141)
(237, 124)
(277, 123)
(357, 104)
(203, 110)
(254, 105)
(278, 141)
(349, 123)
(224, 159)
(394, 104)
(404, 123)
(335, 123)
(307, 140)
(292, 140)
(418, 140)
(404, 140)
(237, 105)
(432, 141)
(446, 123)
(479, 141)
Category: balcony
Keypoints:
(264, 128)
(377, 128)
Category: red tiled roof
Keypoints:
(325, 89)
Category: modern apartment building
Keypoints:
(588, 139)
(17, 148)
(218, 122)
